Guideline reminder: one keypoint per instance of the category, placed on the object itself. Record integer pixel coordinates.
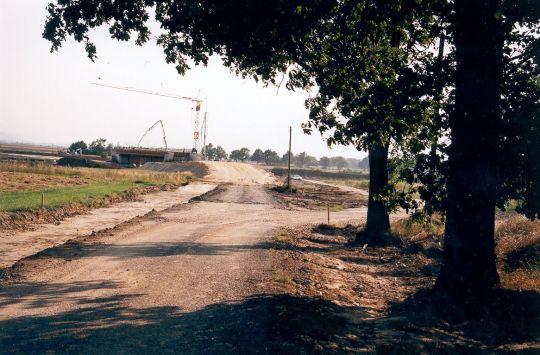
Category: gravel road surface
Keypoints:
(193, 278)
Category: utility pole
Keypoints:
(289, 169)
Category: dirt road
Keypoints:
(190, 279)
(16, 245)
(342, 187)
(237, 173)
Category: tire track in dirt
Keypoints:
(16, 245)
(191, 278)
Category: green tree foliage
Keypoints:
(285, 158)
(484, 37)
(519, 171)
(98, 146)
(208, 151)
(220, 153)
(303, 159)
(271, 157)
(75, 146)
(257, 156)
(215, 153)
(324, 162)
(338, 162)
(242, 154)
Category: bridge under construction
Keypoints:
(140, 155)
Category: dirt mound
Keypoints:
(195, 168)
(237, 173)
(318, 196)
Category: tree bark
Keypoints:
(378, 220)
(468, 268)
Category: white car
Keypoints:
(296, 177)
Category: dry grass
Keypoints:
(521, 279)
(413, 230)
(516, 233)
(22, 185)
(18, 181)
(93, 174)
(517, 249)
(282, 276)
(282, 236)
(356, 183)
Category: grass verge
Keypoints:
(356, 183)
(86, 194)
(69, 191)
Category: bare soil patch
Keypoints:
(318, 196)
(374, 299)
(15, 245)
(195, 168)
(16, 181)
(247, 194)
(237, 173)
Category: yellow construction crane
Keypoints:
(151, 128)
(198, 104)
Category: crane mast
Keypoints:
(198, 103)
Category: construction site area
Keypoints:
(122, 156)
(137, 156)
(269, 177)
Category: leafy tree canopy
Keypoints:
(271, 157)
(242, 154)
(98, 146)
(324, 162)
(78, 145)
(257, 156)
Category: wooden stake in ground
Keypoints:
(328, 216)
(289, 168)
(42, 200)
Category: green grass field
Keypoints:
(357, 183)
(29, 200)
(25, 184)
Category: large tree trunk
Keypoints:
(378, 221)
(468, 268)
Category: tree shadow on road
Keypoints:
(74, 249)
(504, 317)
(259, 324)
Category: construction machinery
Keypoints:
(197, 102)
(151, 128)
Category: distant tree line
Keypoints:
(98, 146)
(271, 157)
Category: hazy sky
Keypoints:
(47, 98)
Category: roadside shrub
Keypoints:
(415, 229)
(518, 243)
